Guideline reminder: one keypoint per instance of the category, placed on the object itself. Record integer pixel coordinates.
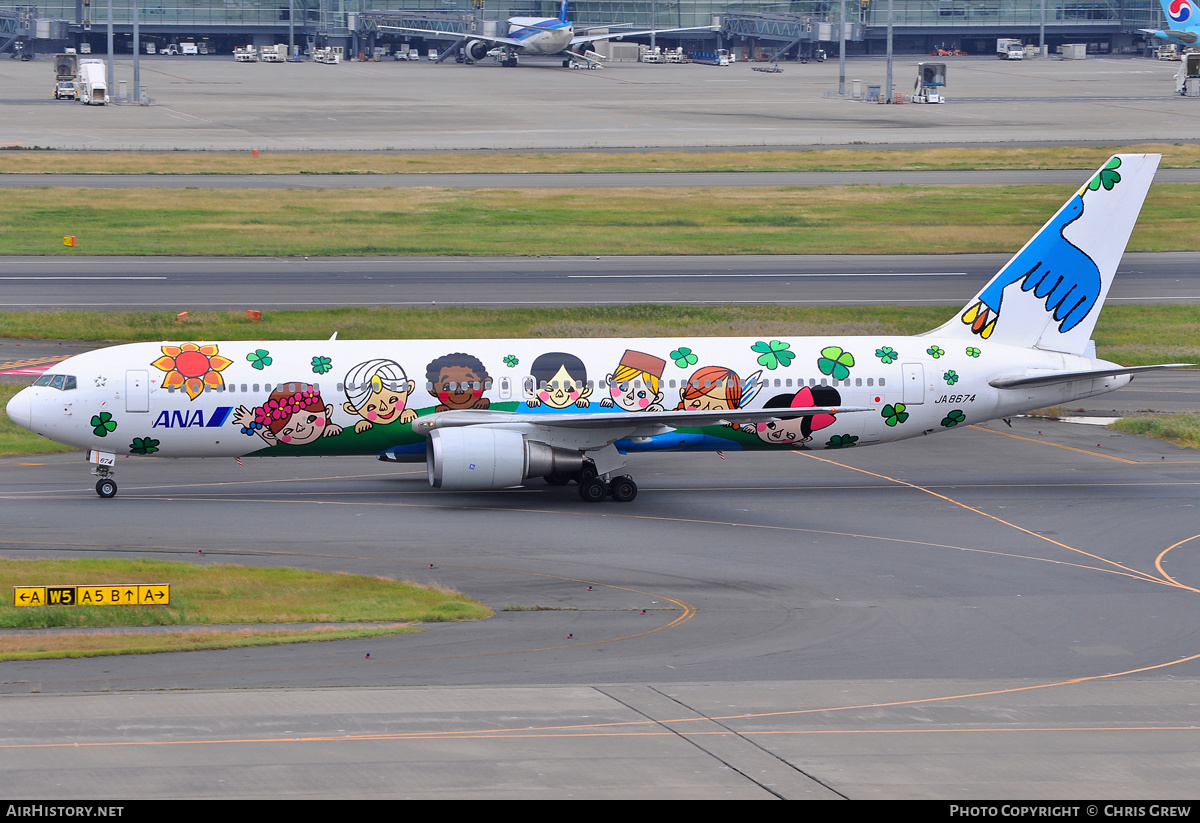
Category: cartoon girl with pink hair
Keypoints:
(293, 415)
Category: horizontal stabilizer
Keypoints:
(1071, 376)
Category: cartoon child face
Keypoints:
(455, 387)
(782, 432)
(305, 426)
(631, 395)
(383, 405)
(715, 398)
(562, 390)
(799, 429)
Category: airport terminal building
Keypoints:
(753, 28)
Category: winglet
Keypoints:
(1049, 294)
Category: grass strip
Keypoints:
(168, 163)
(205, 593)
(96, 645)
(1181, 429)
(522, 222)
(1131, 335)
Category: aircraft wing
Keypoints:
(583, 39)
(1050, 378)
(665, 420)
(455, 35)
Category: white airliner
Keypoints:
(532, 35)
(492, 414)
(1185, 23)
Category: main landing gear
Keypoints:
(594, 488)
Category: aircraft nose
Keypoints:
(18, 409)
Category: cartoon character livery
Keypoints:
(458, 381)
(377, 391)
(293, 414)
(799, 430)
(636, 384)
(558, 381)
(1023, 342)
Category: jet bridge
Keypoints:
(786, 31)
(21, 26)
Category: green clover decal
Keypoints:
(951, 377)
(684, 357)
(1107, 176)
(320, 365)
(835, 362)
(259, 359)
(892, 415)
(511, 361)
(953, 418)
(143, 445)
(887, 355)
(972, 351)
(841, 441)
(935, 351)
(774, 354)
(102, 424)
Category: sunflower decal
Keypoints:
(192, 367)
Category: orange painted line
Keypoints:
(536, 735)
(1141, 575)
(1082, 451)
(1055, 445)
(1163, 553)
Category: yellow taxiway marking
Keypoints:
(1081, 451)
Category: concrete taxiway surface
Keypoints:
(205, 283)
(215, 103)
(980, 614)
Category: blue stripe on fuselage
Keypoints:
(525, 33)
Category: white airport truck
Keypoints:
(92, 84)
(1008, 48)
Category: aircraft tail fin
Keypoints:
(1179, 13)
(1048, 296)
(562, 13)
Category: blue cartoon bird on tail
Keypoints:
(1050, 266)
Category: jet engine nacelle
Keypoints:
(480, 457)
(477, 50)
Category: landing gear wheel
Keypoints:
(585, 474)
(106, 487)
(623, 489)
(593, 490)
(558, 479)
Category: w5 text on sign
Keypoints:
(109, 594)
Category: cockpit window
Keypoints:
(62, 382)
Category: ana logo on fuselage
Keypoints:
(190, 418)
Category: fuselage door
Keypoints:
(914, 384)
(137, 391)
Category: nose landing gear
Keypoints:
(106, 487)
